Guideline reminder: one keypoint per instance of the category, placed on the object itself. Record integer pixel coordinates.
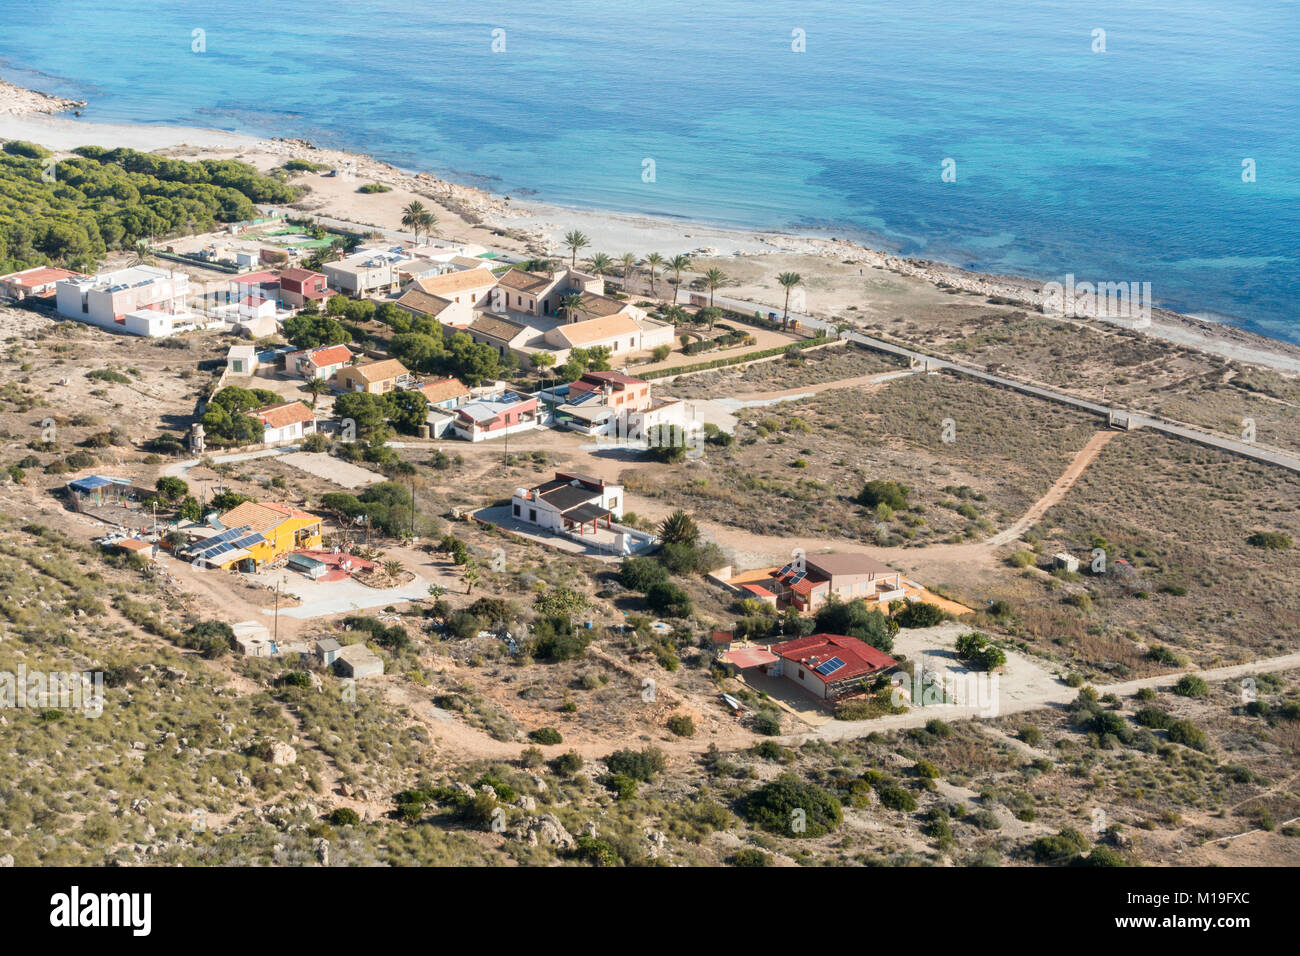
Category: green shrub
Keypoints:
(920, 614)
(682, 725)
(792, 807)
(1269, 540)
(767, 724)
(546, 735)
(896, 798)
(1189, 685)
(638, 764)
(1189, 735)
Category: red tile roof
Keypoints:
(284, 414)
(803, 586)
(40, 275)
(329, 355)
(299, 275)
(859, 657)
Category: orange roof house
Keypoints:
(445, 392)
(373, 377)
(287, 421)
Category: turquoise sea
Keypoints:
(1122, 165)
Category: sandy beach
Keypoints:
(837, 270)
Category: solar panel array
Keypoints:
(827, 668)
(232, 539)
(798, 577)
(784, 571)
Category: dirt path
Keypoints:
(754, 550)
(874, 379)
(1056, 493)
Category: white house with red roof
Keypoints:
(285, 422)
(37, 281)
(320, 362)
(829, 665)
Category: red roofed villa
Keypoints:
(829, 665)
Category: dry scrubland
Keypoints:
(1136, 371)
(796, 468)
(189, 763)
(1174, 520)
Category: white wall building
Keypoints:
(140, 300)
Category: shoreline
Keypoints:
(538, 226)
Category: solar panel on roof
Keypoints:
(799, 577)
(826, 668)
(784, 571)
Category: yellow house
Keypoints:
(269, 531)
(374, 377)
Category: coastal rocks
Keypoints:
(15, 101)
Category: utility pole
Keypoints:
(275, 638)
(412, 507)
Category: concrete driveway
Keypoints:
(323, 598)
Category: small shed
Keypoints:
(358, 661)
(327, 650)
(253, 639)
(312, 567)
(144, 549)
(94, 491)
(1066, 561)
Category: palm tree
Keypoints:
(679, 528)
(392, 567)
(628, 259)
(676, 315)
(572, 304)
(412, 217)
(677, 263)
(601, 264)
(654, 261)
(141, 254)
(317, 387)
(714, 278)
(427, 223)
(788, 280)
(576, 240)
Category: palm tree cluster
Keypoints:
(418, 219)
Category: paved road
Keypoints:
(1244, 449)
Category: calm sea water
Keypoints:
(1117, 166)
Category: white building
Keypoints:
(140, 300)
(365, 273)
(241, 360)
(568, 502)
(288, 421)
